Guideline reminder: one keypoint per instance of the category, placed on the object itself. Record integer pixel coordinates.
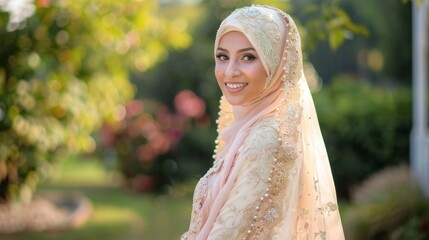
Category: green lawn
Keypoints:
(118, 214)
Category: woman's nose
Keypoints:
(232, 70)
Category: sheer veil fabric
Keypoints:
(299, 201)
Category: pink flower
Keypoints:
(150, 130)
(189, 104)
(160, 143)
(44, 3)
(146, 153)
(134, 108)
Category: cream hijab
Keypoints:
(301, 182)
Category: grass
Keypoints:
(118, 214)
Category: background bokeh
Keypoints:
(117, 101)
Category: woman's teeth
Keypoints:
(236, 85)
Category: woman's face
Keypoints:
(239, 70)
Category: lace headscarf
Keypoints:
(300, 202)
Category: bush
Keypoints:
(152, 143)
(387, 206)
(65, 72)
(365, 128)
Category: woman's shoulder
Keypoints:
(263, 135)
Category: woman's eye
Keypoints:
(221, 57)
(249, 57)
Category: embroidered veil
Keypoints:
(288, 192)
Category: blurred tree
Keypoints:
(326, 21)
(384, 57)
(63, 71)
(388, 52)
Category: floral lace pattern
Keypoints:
(244, 201)
(200, 196)
(268, 40)
(255, 161)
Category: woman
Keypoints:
(271, 177)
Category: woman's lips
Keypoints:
(235, 87)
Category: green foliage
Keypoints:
(387, 206)
(65, 73)
(419, 2)
(389, 23)
(365, 128)
(416, 228)
(329, 22)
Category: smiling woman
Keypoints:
(271, 177)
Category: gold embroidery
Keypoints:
(268, 212)
(256, 154)
(320, 234)
(328, 208)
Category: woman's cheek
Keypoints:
(218, 73)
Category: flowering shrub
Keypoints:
(146, 139)
(64, 69)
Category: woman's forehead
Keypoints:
(235, 39)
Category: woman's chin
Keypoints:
(234, 100)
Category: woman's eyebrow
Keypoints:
(222, 49)
(241, 50)
(246, 49)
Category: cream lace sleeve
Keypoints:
(255, 163)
